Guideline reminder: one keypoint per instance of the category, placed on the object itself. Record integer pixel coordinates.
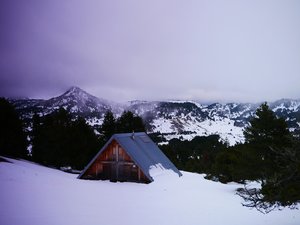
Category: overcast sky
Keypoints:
(120, 50)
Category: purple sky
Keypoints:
(151, 50)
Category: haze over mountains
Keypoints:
(173, 119)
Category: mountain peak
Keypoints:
(81, 95)
(77, 101)
(74, 89)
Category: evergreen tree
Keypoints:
(128, 122)
(83, 144)
(108, 127)
(267, 130)
(197, 155)
(12, 136)
(50, 137)
(237, 163)
(58, 140)
(280, 189)
(271, 152)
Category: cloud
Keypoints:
(123, 50)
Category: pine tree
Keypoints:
(128, 122)
(272, 153)
(108, 127)
(83, 144)
(266, 129)
(266, 132)
(281, 188)
(12, 136)
(59, 140)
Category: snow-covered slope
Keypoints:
(34, 195)
(180, 119)
(187, 119)
(173, 119)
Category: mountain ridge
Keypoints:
(172, 119)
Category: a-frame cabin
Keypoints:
(127, 157)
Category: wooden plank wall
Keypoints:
(115, 164)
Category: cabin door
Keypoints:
(106, 171)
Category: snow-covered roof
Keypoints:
(143, 151)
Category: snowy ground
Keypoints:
(33, 195)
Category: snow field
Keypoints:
(33, 195)
(222, 126)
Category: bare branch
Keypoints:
(254, 199)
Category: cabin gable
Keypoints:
(114, 163)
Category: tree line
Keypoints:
(59, 139)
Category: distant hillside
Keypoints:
(173, 119)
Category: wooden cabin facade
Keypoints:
(128, 157)
(116, 165)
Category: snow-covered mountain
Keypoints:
(173, 119)
(187, 119)
(75, 100)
